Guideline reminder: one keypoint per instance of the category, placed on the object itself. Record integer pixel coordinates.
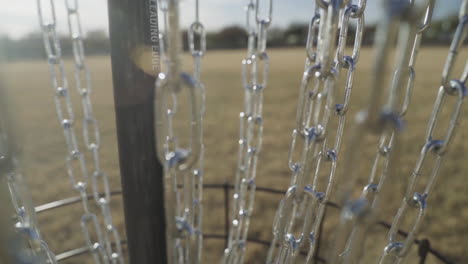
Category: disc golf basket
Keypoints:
(159, 112)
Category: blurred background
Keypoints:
(24, 74)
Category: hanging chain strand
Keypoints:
(314, 153)
(75, 161)
(91, 135)
(197, 45)
(386, 120)
(183, 167)
(349, 63)
(32, 247)
(255, 69)
(451, 85)
(301, 212)
(26, 223)
(380, 167)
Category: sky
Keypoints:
(18, 18)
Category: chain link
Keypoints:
(397, 251)
(26, 223)
(197, 44)
(91, 134)
(255, 69)
(360, 213)
(315, 144)
(183, 166)
(75, 159)
(299, 216)
(31, 246)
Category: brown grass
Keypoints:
(43, 149)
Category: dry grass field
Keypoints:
(43, 149)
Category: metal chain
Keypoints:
(380, 167)
(183, 166)
(451, 85)
(91, 135)
(255, 69)
(36, 249)
(197, 45)
(25, 216)
(385, 120)
(301, 212)
(17, 244)
(314, 150)
(75, 161)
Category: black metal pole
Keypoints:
(423, 250)
(133, 29)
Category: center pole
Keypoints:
(133, 27)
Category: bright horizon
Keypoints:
(20, 19)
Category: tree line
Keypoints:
(230, 37)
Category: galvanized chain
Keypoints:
(301, 211)
(21, 241)
(75, 160)
(386, 120)
(380, 167)
(25, 217)
(91, 135)
(13, 248)
(451, 85)
(197, 45)
(183, 166)
(31, 246)
(255, 77)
